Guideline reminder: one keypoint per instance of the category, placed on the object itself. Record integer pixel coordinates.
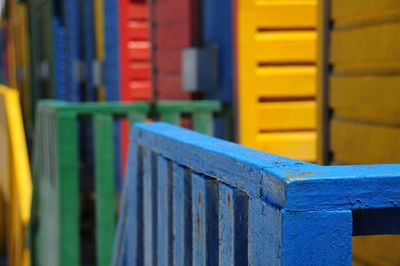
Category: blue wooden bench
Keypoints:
(194, 199)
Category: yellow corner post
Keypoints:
(15, 181)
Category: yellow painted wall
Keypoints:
(276, 55)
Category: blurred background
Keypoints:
(314, 80)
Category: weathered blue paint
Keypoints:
(233, 217)
(249, 207)
(204, 222)
(182, 215)
(164, 218)
(316, 238)
(150, 207)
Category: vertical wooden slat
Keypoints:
(233, 211)
(203, 122)
(164, 209)
(150, 207)
(171, 117)
(205, 221)
(68, 188)
(182, 215)
(104, 185)
(265, 239)
(134, 179)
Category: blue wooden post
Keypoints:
(207, 201)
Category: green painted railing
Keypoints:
(55, 228)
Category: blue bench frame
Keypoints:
(190, 198)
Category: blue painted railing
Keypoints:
(193, 199)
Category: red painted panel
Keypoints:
(175, 29)
(170, 87)
(169, 61)
(181, 36)
(134, 46)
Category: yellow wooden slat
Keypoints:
(283, 14)
(299, 145)
(373, 99)
(360, 47)
(345, 11)
(286, 82)
(357, 143)
(281, 47)
(287, 115)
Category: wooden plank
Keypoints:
(281, 14)
(363, 11)
(233, 224)
(274, 116)
(182, 215)
(285, 47)
(299, 145)
(205, 226)
(164, 212)
(366, 48)
(264, 238)
(354, 142)
(371, 98)
(104, 186)
(150, 207)
(377, 249)
(285, 81)
(68, 173)
(181, 32)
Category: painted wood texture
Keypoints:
(56, 202)
(235, 205)
(276, 54)
(176, 18)
(135, 49)
(359, 76)
(15, 178)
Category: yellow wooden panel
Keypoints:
(284, 14)
(285, 81)
(361, 47)
(377, 250)
(363, 10)
(287, 115)
(276, 44)
(373, 99)
(287, 46)
(300, 145)
(357, 143)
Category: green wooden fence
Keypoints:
(55, 228)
